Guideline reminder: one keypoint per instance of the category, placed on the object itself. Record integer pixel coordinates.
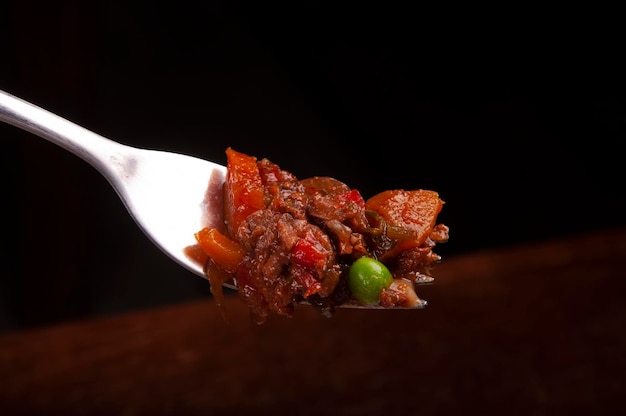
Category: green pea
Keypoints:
(367, 277)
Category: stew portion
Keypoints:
(286, 241)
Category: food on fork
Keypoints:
(286, 241)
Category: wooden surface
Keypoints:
(527, 330)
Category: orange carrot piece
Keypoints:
(243, 192)
(416, 210)
(225, 252)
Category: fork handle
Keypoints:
(96, 150)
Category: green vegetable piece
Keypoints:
(367, 278)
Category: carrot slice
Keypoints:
(225, 252)
(415, 210)
(243, 191)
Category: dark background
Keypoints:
(515, 117)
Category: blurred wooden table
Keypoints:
(536, 329)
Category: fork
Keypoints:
(169, 195)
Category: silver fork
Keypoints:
(170, 196)
(167, 194)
